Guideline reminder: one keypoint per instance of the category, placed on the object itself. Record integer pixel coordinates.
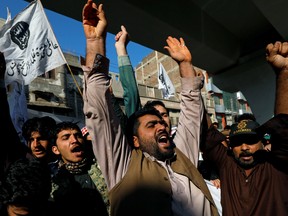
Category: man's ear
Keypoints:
(55, 150)
(136, 142)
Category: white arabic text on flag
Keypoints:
(29, 45)
(165, 83)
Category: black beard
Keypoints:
(154, 150)
(164, 156)
(245, 165)
(259, 156)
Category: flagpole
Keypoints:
(76, 83)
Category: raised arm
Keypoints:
(94, 24)
(109, 144)
(277, 56)
(187, 137)
(127, 75)
(277, 127)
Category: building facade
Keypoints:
(58, 93)
(221, 106)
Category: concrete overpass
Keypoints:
(227, 37)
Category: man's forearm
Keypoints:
(187, 70)
(93, 47)
(281, 100)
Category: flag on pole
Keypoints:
(165, 83)
(29, 45)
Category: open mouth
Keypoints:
(77, 150)
(163, 139)
(39, 150)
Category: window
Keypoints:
(49, 75)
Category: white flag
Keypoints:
(29, 45)
(165, 83)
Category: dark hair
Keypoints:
(26, 183)
(43, 125)
(63, 126)
(153, 103)
(133, 121)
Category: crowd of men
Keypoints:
(129, 163)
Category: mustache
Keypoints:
(161, 134)
(40, 148)
(245, 154)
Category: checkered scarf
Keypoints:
(75, 168)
